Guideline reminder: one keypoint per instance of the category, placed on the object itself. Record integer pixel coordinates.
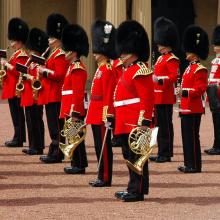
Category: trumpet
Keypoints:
(3, 54)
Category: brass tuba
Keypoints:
(141, 142)
(74, 133)
(3, 54)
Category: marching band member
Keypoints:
(165, 77)
(75, 44)
(213, 92)
(37, 43)
(101, 103)
(17, 34)
(53, 75)
(193, 87)
(133, 100)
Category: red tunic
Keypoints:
(166, 68)
(27, 98)
(11, 78)
(102, 90)
(52, 85)
(134, 97)
(73, 90)
(194, 80)
(117, 66)
(214, 77)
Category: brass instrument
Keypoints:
(141, 142)
(3, 54)
(36, 83)
(74, 133)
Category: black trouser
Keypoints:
(105, 169)
(54, 125)
(216, 123)
(18, 119)
(137, 183)
(190, 125)
(164, 120)
(35, 126)
(79, 158)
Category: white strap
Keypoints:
(67, 92)
(126, 102)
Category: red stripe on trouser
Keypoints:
(194, 144)
(105, 157)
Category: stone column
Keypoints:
(9, 9)
(85, 17)
(141, 11)
(218, 15)
(116, 11)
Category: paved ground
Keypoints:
(32, 190)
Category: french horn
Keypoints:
(74, 133)
(141, 142)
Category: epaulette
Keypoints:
(200, 67)
(108, 66)
(172, 57)
(77, 65)
(143, 70)
(23, 53)
(119, 63)
(61, 52)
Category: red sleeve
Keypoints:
(60, 69)
(173, 68)
(108, 87)
(200, 83)
(145, 90)
(78, 78)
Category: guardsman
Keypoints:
(193, 87)
(101, 102)
(165, 77)
(75, 44)
(37, 43)
(17, 34)
(53, 74)
(213, 92)
(133, 100)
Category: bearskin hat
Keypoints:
(74, 38)
(195, 40)
(55, 25)
(18, 30)
(103, 38)
(37, 40)
(132, 38)
(165, 33)
(216, 36)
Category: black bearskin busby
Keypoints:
(37, 40)
(165, 33)
(55, 25)
(74, 38)
(195, 40)
(18, 30)
(103, 38)
(216, 36)
(132, 38)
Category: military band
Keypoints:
(46, 71)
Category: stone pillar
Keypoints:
(116, 11)
(141, 11)
(218, 15)
(85, 17)
(9, 9)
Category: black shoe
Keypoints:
(74, 170)
(50, 159)
(99, 183)
(212, 151)
(132, 197)
(13, 143)
(185, 169)
(119, 194)
(32, 151)
(160, 159)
